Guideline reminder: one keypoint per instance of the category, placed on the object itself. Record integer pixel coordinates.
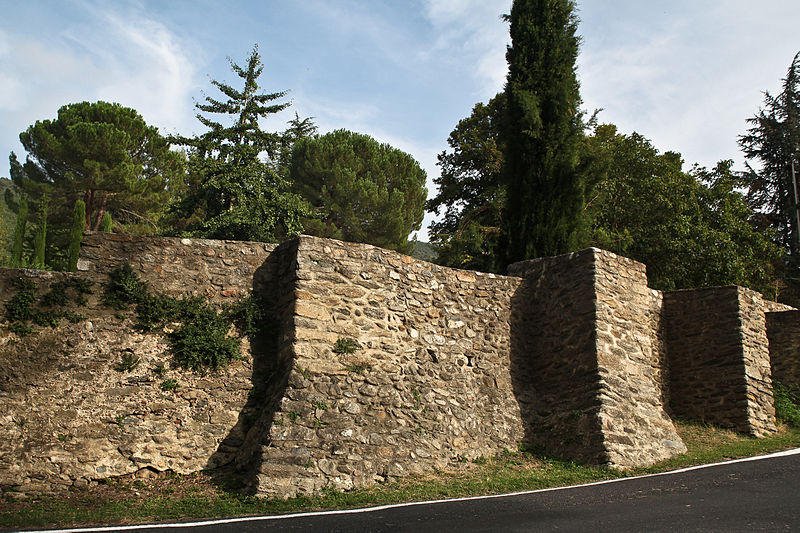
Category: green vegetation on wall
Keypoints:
(25, 309)
(199, 337)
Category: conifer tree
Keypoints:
(19, 232)
(105, 224)
(76, 235)
(363, 191)
(105, 154)
(235, 191)
(298, 129)
(774, 141)
(40, 239)
(545, 183)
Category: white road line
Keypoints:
(786, 453)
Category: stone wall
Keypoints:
(719, 358)
(554, 355)
(573, 354)
(632, 365)
(70, 417)
(429, 384)
(783, 330)
(219, 270)
(590, 339)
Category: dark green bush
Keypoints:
(49, 318)
(153, 312)
(248, 315)
(57, 297)
(787, 403)
(20, 307)
(124, 288)
(20, 329)
(202, 342)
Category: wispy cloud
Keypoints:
(108, 52)
(473, 33)
(687, 78)
(145, 66)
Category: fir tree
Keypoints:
(774, 141)
(545, 183)
(235, 191)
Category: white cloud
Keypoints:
(144, 66)
(684, 76)
(103, 53)
(473, 33)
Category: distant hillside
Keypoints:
(424, 251)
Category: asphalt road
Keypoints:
(762, 495)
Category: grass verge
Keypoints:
(175, 497)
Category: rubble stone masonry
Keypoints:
(573, 354)
(719, 359)
(783, 330)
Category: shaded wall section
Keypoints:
(783, 330)
(554, 356)
(719, 358)
(588, 355)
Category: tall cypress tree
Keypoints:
(19, 232)
(40, 239)
(76, 234)
(545, 183)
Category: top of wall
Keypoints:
(525, 268)
(217, 269)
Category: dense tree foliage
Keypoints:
(103, 153)
(774, 141)
(471, 195)
(690, 229)
(298, 129)
(363, 191)
(546, 186)
(235, 190)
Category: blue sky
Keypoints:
(684, 73)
